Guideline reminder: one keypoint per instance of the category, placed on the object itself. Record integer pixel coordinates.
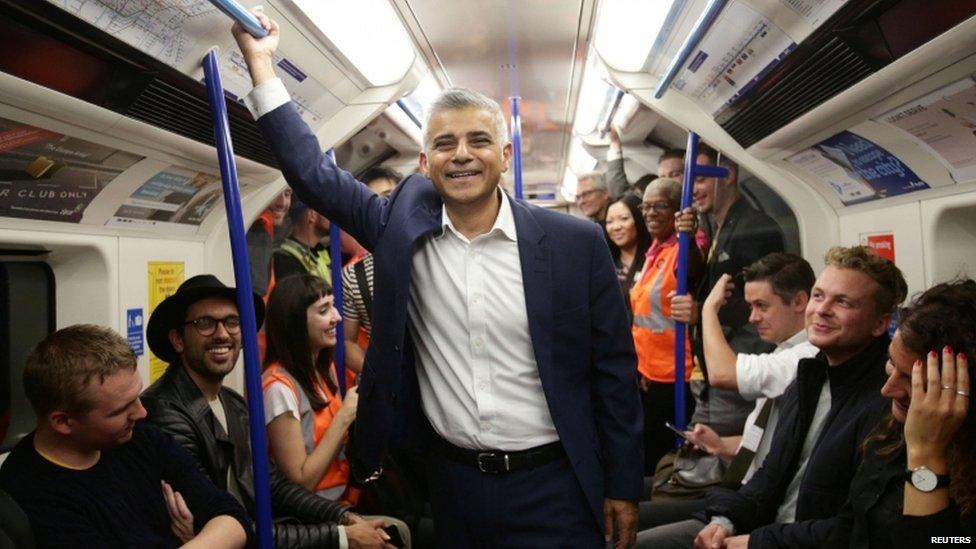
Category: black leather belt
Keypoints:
(498, 461)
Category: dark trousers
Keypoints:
(532, 508)
(658, 404)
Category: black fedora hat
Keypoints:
(170, 314)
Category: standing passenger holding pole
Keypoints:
(500, 340)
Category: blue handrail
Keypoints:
(701, 27)
(692, 170)
(245, 18)
(517, 145)
(245, 299)
(335, 253)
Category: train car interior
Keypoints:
(853, 122)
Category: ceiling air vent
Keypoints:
(860, 39)
(100, 69)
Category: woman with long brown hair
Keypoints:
(307, 419)
(918, 477)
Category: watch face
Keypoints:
(925, 480)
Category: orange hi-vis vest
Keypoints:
(314, 425)
(653, 328)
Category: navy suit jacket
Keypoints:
(577, 318)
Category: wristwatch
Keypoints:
(924, 480)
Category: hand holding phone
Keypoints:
(394, 533)
(676, 431)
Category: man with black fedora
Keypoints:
(197, 330)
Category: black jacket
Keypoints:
(856, 405)
(177, 406)
(872, 516)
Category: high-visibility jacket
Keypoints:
(653, 328)
(314, 424)
(318, 264)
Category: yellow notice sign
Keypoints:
(164, 278)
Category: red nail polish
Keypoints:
(947, 350)
(933, 354)
(961, 356)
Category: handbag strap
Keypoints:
(743, 458)
(360, 270)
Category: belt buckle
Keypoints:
(484, 468)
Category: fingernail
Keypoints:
(947, 350)
(918, 364)
(961, 356)
(933, 354)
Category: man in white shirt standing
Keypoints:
(500, 345)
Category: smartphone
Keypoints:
(675, 430)
(394, 533)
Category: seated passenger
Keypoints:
(794, 499)
(629, 240)
(777, 289)
(197, 331)
(916, 482)
(91, 474)
(307, 418)
(653, 328)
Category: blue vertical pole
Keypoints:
(517, 145)
(245, 299)
(335, 253)
(692, 170)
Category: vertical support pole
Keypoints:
(245, 300)
(685, 241)
(517, 145)
(335, 253)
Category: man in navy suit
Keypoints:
(500, 346)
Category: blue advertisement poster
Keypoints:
(868, 166)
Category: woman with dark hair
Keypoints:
(307, 419)
(918, 477)
(653, 328)
(629, 239)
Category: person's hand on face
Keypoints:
(938, 406)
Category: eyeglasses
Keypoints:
(207, 325)
(657, 207)
(586, 194)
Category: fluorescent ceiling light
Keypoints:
(427, 90)
(627, 29)
(367, 32)
(595, 97)
(568, 188)
(580, 161)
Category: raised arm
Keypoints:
(718, 353)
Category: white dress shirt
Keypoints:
(479, 381)
(768, 375)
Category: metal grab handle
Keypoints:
(245, 18)
(692, 170)
(245, 299)
(612, 113)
